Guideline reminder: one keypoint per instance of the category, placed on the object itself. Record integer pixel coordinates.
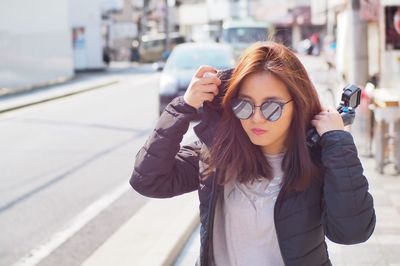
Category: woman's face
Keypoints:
(270, 136)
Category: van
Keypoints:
(241, 33)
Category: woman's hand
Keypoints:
(328, 120)
(203, 87)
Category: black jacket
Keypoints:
(339, 206)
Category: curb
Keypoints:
(48, 95)
(155, 235)
(176, 249)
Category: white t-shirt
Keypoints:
(244, 228)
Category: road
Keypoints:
(65, 167)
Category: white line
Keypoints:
(39, 253)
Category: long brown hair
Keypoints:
(232, 152)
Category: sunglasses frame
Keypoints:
(253, 107)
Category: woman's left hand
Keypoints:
(328, 120)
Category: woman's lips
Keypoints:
(258, 131)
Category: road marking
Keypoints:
(39, 253)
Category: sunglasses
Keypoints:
(271, 110)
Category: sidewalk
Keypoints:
(82, 82)
(13, 102)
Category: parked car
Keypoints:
(183, 62)
(151, 48)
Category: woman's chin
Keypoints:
(259, 142)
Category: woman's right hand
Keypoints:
(202, 87)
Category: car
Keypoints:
(183, 62)
(151, 48)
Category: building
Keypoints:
(86, 38)
(121, 21)
(292, 18)
(45, 42)
(35, 40)
(367, 43)
(389, 43)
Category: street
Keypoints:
(60, 157)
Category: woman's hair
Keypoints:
(232, 152)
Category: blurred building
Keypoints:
(292, 18)
(120, 21)
(366, 44)
(125, 22)
(85, 27)
(388, 25)
(35, 43)
(46, 41)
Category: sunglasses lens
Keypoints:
(271, 111)
(242, 109)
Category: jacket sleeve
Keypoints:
(348, 211)
(162, 168)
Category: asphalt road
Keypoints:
(65, 167)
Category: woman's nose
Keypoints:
(258, 117)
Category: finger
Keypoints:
(314, 122)
(210, 89)
(333, 110)
(209, 74)
(330, 109)
(319, 116)
(203, 69)
(208, 97)
(327, 112)
(210, 80)
(205, 96)
(324, 111)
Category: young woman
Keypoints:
(266, 198)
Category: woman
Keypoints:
(265, 197)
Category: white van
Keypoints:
(241, 33)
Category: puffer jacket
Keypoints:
(337, 206)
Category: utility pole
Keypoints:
(328, 20)
(143, 19)
(167, 3)
(243, 8)
(358, 73)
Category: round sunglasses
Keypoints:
(271, 110)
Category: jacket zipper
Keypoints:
(210, 226)
(278, 200)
